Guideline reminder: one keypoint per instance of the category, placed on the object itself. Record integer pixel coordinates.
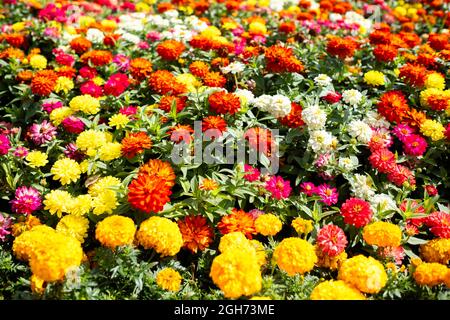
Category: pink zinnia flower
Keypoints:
(328, 194)
(322, 160)
(27, 200)
(308, 188)
(5, 225)
(278, 187)
(116, 84)
(91, 88)
(153, 36)
(447, 131)
(88, 72)
(49, 106)
(251, 173)
(64, 59)
(122, 62)
(128, 111)
(401, 174)
(402, 131)
(5, 145)
(42, 133)
(143, 45)
(439, 224)
(73, 125)
(392, 253)
(383, 160)
(331, 240)
(431, 190)
(20, 152)
(332, 97)
(415, 145)
(256, 213)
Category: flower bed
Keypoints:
(224, 149)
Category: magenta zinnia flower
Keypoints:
(308, 188)
(49, 106)
(27, 200)
(415, 145)
(402, 131)
(91, 88)
(20, 152)
(116, 84)
(73, 124)
(251, 173)
(328, 194)
(331, 240)
(42, 133)
(278, 187)
(5, 225)
(5, 145)
(122, 62)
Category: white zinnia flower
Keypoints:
(95, 35)
(263, 102)
(131, 38)
(376, 120)
(348, 163)
(322, 80)
(314, 117)
(320, 140)
(384, 201)
(360, 130)
(246, 96)
(352, 97)
(362, 186)
(280, 106)
(234, 68)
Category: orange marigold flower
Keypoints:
(427, 60)
(197, 234)
(25, 76)
(219, 62)
(413, 74)
(164, 82)
(209, 185)
(281, 59)
(170, 49)
(393, 106)
(135, 143)
(415, 118)
(222, 102)
(410, 38)
(385, 53)
(342, 47)
(97, 57)
(199, 68)
(237, 220)
(438, 41)
(15, 39)
(166, 103)
(180, 133)
(66, 71)
(140, 68)
(80, 45)
(44, 82)
(294, 118)
(214, 123)
(162, 169)
(12, 53)
(148, 193)
(214, 79)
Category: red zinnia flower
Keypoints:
(281, 59)
(331, 240)
(216, 123)
(439, 224)
(401, 174)
(181, 132)
(393, 106)
(294, 118)
(385, 53)
(197, 234)
(383, 160)
(135, 143)
(214, 79)
(238, 220)
(342, 47)
(356, 212)
(199, 68)
(166, 103)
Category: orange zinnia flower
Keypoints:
(44, 82)
(238, 220)
(342, 47)
(148, 193)
(415, 118)
(414, 75)
(160, 168)
(385, 53)
(281, 59)
(166, 103)
(135, 143)
(260, 139)
(209, 185)
(222, 102)
(12, 53)
(214, 79)
(15, 39)
(97, 57)
(393, 106)
(199, 68)
(140, 68)
(24, 76)
(180, 133)
(80, 45)
(164, 82)
(294, 118)
(214, 123)
(66, 71)
(170, 49)
(197, 234)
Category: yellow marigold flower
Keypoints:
(436, 250)
(236, 273)
(110, 151)
(433, 129)
(302, 226)
(160, 234)
(73, 226)
(189, 80)
(336, 290)
(90, 140)
(26, 242)
(64, 84)
(268, 224)
(257, 27)
(382, 234)
(115, 231)
(58, 115)
(38, 61)
(233, 240)
(169, 279)
(325, 261)
(104, 202)
(58, 201)
(374, 78)
(119, 121)
(365, 273)
(51, 261)
(66, 170)
(260, 252)
(37, 284)
(81, 205)
(36, 159)
(295, 255)
(430, 274)
(435, 80)
(85, 103)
